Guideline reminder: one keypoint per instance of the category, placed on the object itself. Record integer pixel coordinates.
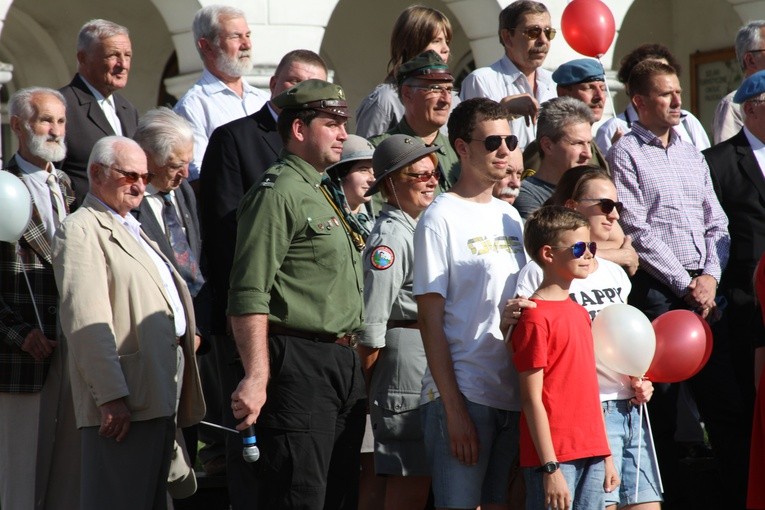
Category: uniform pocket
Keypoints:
(320, 234)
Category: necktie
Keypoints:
(184, 257)
(56, 200)
(111, 115)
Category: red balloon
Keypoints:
(588, 26)
(683, 346)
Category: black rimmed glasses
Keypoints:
(492, 142)
(424, 176)
(132, 177)
(533, 32)
(606, 204)
(579, 248)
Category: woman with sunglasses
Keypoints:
(391, 350)
(590, 191)
(417, 29)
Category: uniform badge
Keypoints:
(382, 257)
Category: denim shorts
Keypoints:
(584, 478)
(622, 428)
(456, 485)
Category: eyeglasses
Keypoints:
(579, 248)
(606, 204)
(532, 33)
(755, 51)
(132, 177)
(437, 89)
(492, 142)
(424, 176)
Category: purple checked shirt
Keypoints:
(670, 208)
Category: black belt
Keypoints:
(693, 273)
(348, 340)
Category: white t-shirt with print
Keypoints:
(471, 253)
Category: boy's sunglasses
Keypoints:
(579, 248)
(492, 142)
(606, 204)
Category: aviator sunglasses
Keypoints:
(532, 33)
(492, 142)
(606, 204)
(132, 177)
(579, 248)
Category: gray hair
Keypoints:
(106, 149)
(96, 30)
(748, 39)
(206, 24)
(160, 131)
(20, 103)
(556, 114)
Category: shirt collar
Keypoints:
(34, 170)
(99, 97)
(650, 138)
(213, 85)
(756, 143)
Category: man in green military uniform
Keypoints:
(295, 305)
(425, 88)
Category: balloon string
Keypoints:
(640, 443)
(608, 89)
(31, 294)
(655, 459)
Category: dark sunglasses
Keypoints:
(579, 248)
(492, 142)
(132, 177)
(606, 204)
(424, 176)
(534, 32)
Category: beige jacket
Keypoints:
(118, 322)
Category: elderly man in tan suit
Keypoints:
(128, 317)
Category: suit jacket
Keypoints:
(118, 321)
(740, 188)
(85, 125)
(19, 371)
(237, 156)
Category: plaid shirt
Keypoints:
(670, 208)
(19, 371)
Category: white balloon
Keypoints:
(15, 207)
(624, 340)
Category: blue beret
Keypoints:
(751, 87)
(581, 70)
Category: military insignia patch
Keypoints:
(382, 257)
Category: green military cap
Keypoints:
(314, 95)
(425, 66)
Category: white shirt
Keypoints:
(690, 129)
(37, 184)
(209, 103)
(163, 268)
(107, 106)
(502, 79)
(758, 148)
(471, 253)
(156, 202)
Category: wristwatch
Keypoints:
(549, 468)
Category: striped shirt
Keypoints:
(670, 208)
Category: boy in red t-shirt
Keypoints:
(563, 439)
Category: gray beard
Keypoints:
(233, 66)
(39, 146)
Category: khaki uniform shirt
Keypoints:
(294, 260)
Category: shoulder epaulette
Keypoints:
(268, 180)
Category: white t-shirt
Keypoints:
(607, 285)
(470, 253)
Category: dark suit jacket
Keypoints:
(740, 188)
(19, 371)
(85, 125)
(237, 156)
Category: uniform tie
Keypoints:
(187, 263)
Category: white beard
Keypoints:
(234, 66)
(39, 146)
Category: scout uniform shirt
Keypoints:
(294, 260)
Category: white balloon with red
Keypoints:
(15, 207)
(625, 341)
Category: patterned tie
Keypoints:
(56, 200)
(184, 257)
